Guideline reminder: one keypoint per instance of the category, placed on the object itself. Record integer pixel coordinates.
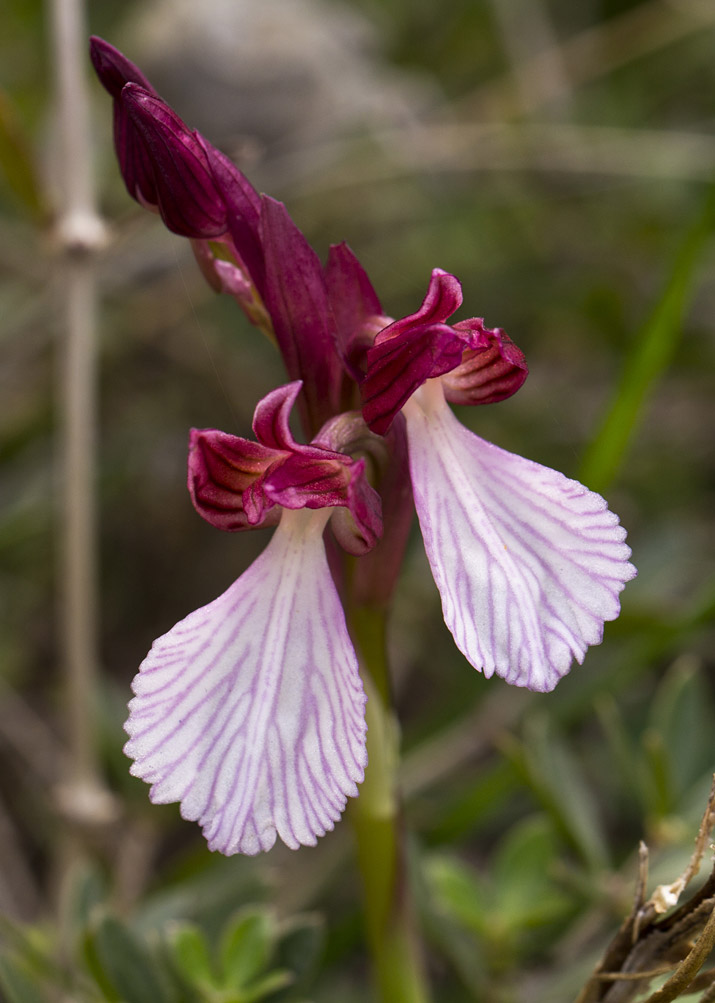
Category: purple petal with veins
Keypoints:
(250, 712)
(492, 368)
(398, 366)
(444, 296)
(272, 415)
(222, 470)
(529, 564)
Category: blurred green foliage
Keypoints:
(524, 810)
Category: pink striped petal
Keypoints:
(250, 712)
(529, 564)
(490, 371)
(444, 296)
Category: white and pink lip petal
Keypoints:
(529, 563)
(251, 711)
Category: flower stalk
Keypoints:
(379, 831)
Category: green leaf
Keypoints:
(650, 356)
(269, 984)
(126, 965)
(624, 757)
(17, 984)
(33, 948)
(524, 889)
(86, 892)
(554, 775)
(681, 715)
(459, 892)
(477, 799)
(246, 947)
(191, 954)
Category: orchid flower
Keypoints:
(529, 563)
(250, 712)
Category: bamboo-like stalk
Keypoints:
(80, 236)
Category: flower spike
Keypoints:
(175, 171)
(250, 711)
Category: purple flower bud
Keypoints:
(189, 200)
(114, 71)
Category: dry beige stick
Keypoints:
(80, 235)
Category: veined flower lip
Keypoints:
(251, 712)
(529, 563)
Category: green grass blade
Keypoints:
(650, 357)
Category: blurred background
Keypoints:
(559, 159)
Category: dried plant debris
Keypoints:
(654, 941)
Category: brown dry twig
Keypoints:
(653, 941)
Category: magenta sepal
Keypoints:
(297, 301)
(355, 306)
(238, 484)
(478, 365)
(443, 298)
(113, 68)
(243, 211)
(410, 351)
(221, 468)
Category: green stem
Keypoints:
(379, 832)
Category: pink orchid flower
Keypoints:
(250, 712)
